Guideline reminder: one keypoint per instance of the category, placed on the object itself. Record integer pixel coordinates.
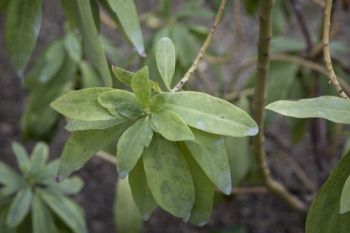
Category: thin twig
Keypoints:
(326, 50)
(204, 47)
(106, 156)
(249, 190)
(265, 33)
(296, 8)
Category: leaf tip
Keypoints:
(122, 174)
(252, 131)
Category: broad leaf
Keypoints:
(83, 105)
(140, 191)
(332, 108)
(120, 102)
(127, 217)
(204, 191)
(208, 113)
(127, 16)
(171, 126)
(165, 57)
(168, 177)
(131, 144)
(91, 41)
(324, 216)
(42, 219)
(21, 156)
(142, 87)
(23, 22)
(81, 146)
(345, 197)
(209, 151)
(79, 125)
(66, 209)
(19, 207)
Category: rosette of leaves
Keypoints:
(172, 144)
(32, 201)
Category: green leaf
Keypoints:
(120, 102)
(332, 108)
(168, 177)
(324, 216)
(10, 179)
(127, 16)
(142, 87)
(125, 77)
(127, 216)
(81, 146)
(68, 186)
(122, 75)
(53, 59)
(210, 153)
(185, 48)
(345, 197)
(281, 44)
(78, 125)
(42, 219)
(165, 57)
(38, 158)
(21, 156)
(208, 113)
(131, 144)
(140, 191)
(39, 121)
(204, 191)
(171, 126)
(73, 47)
(83, 105)
(65, 209)
(23, 22)
(239, 152)
(91, 41)
(88, 75)
(19, 207)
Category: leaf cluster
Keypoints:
(32, 201)
(170, 144)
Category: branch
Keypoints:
(106, 156)
(265, 33)
(204, 47)
(326, 50)
(303, 26)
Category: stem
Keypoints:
(326, 50)
(301, 21)
(265, 33)
(106, 156)
(204, 47)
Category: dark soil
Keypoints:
(259, 213)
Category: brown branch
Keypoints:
(106, 157)
(326, 50)
(265, 33)
(296, 8)
(204, 47)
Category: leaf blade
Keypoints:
(169, 177)
(332, 108)
(165, 58)
(208, 113)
